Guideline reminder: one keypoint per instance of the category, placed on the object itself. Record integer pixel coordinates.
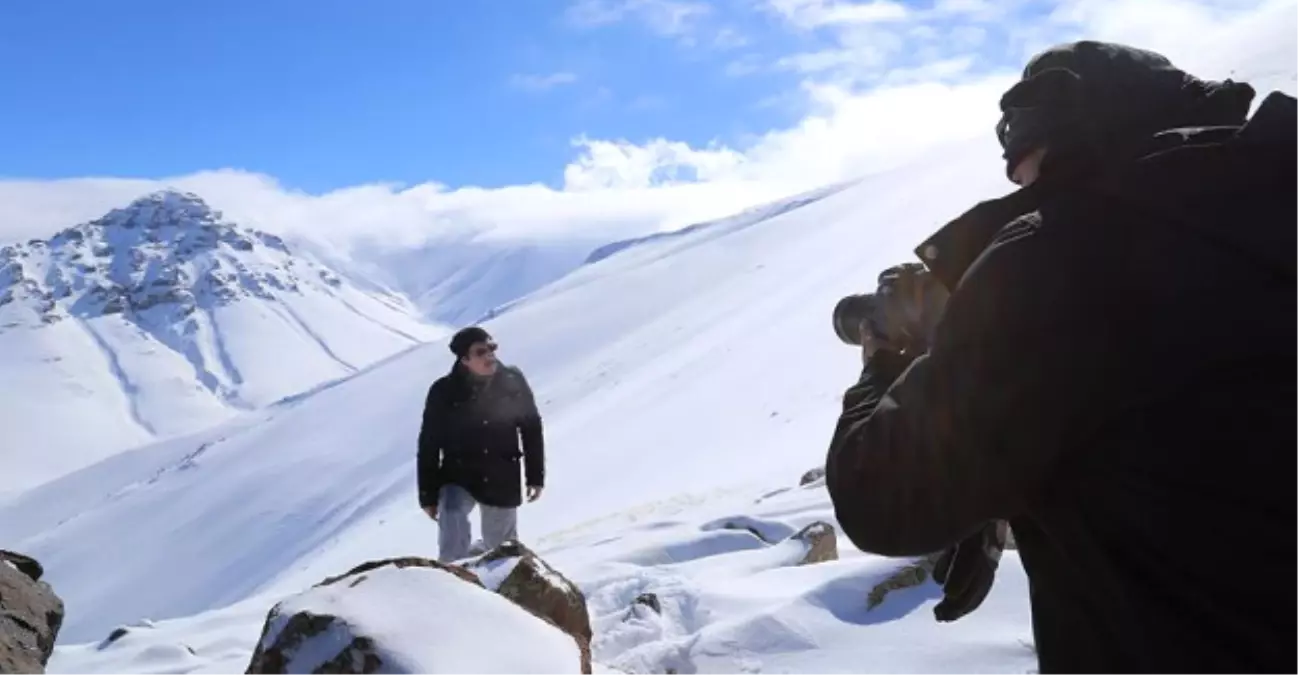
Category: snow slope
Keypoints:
(677, 365)
(459, 277)
(729, 601)
(162, 318)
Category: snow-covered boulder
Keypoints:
(409, 615)
(516, 573)
(30, 615)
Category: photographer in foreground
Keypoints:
(1113, 374)
(903, 314)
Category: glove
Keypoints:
(967, 570)
(911, 301)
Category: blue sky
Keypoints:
(323, 94)
(529, 118)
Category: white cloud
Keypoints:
(647, 102)
(612, 189)
(974, 9)
(400, 215)
(729, 38)
(666, 17)
(906, 106)
(818, 13)
(535, 82)
(742, 66)
(620, 164)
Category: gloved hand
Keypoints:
(910, 305)
(967, 570)
(912, 301)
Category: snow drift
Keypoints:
(679, 583)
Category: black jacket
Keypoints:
(470, 437)
(1115, 375)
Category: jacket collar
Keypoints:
(950, 251)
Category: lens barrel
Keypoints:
(849, 314)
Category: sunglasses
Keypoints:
(479, 352)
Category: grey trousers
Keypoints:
(455, 534)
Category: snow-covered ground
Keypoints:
(729, 601)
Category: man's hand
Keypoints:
(431, 510)
(534, 492)
(967, 570)
(871, 343)
(911, 302)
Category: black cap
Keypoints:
(1101, 98)
(466, 338)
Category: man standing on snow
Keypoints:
(469, 450)
(1113, 374)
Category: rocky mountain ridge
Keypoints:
(165, 249)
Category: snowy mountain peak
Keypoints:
(162, 317)
(162, 206)
(167, 249)
(188, 217)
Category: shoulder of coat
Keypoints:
(1022, 226)
(514, 377)
(441, 385)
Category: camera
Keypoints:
(906, 307)
(854, 311)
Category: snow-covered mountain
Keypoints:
(459, 278)
(162, 318)
(715, 228)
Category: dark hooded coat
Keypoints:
(475, 434)
(1114, 374)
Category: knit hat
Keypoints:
(466, 338)
(1102, 98)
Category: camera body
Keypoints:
(905, 307)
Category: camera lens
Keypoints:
(849, 314)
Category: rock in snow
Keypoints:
(910, 576)
(812, 476)
(534, 584)
(30, 615)
(821, 542)
(649, 600)
(410, 615)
